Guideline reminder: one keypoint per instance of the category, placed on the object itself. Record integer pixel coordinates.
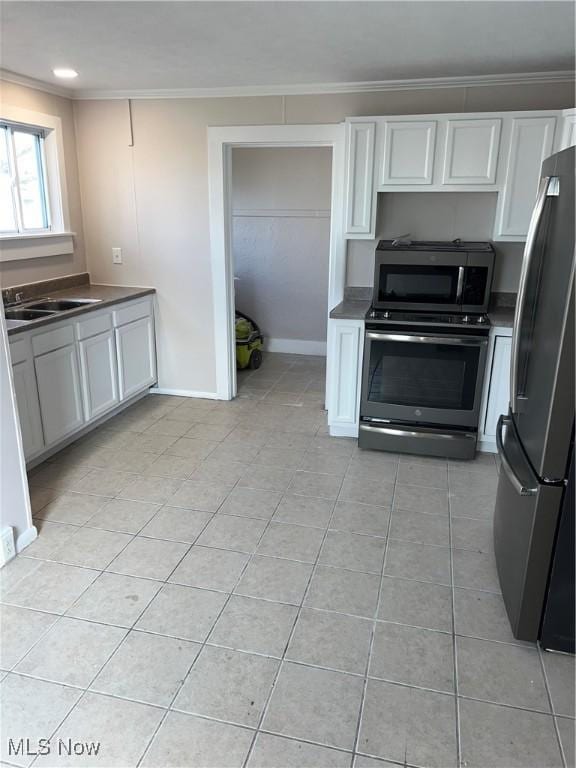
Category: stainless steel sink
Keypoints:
(28, 314)
(60, 305)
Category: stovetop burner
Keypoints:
(429, 318)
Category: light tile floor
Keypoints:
(222, 584)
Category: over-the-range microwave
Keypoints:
(433, 276)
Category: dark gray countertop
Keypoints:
(109, 294)
(351, 309)
(502, 317)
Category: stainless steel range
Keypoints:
(425, 348)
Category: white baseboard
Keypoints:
(184, 393)
(26, 538)
(486, 446)
(343, 431)
(295, 346)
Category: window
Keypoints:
(23, 190)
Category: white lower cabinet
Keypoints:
(99, 374)
(28, 408)
(70, 374)
(136, 356)
(345, 354)
(496, 388)
(58, 380)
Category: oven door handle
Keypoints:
(462, 341)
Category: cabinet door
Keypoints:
(531, 142)
(345, 349)
(99, 374)
(360, 179)
(136, 356)
(408, 156)
(499, 392)
(568, 128)
(28, 408)
(471, 151)
(59, 393)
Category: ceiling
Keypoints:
(132, 46)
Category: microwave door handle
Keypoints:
(519, 487)
(463, 341)
(520, 301)
(460, 285)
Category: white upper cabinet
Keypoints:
(568, 138)
(531, 142)
(471, 154)
(408, 156)
(360, 203)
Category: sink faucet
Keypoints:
(13, 298)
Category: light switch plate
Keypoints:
(116, 255)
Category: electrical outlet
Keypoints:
(8, 547)
(116, 255)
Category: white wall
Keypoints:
(152, 199)
(14, 498)
(436, 216)
(281, 240)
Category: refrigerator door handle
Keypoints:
(545, 185)
(521, 489)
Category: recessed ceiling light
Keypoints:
(67, 74)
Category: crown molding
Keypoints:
(39, 85)
(425, 83)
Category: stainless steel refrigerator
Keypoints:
(535, 440)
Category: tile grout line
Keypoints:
(294, 624)
(563, 756)
(374, 621)
(454, 642)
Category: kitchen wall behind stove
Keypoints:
(436, 216)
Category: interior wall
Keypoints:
(48, 267)
(435, 216)
(152, 199)
(281, 241)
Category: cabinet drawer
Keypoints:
(93, 326)
(19, 351)
(46, 342)
(131, 312)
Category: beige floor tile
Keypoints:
(219, 472)
(315, 484)
(122, 728)
(205, 497)
(147, 668)
(102, 482)
(31, 709)
(51, 536)
(91, 548)
(275, 579)
(360, 518)
(51, 587)
(375, 492)
(208, 568)
(259, 626)
(74, 508)
(250, 502)
(188, 740)
(192, 448)
(52, 475)
(156, 490)
(21, 628)
(114, 599)
(183, 612)
(304, 510)
(266, 478)
(270, 750)
(295, 542)
(174, 466)
(241, 534)
(335, 589)
(416, 603)
(420, 528)
(177, 524)
(123, 515)
(228, 685)
(72, 652)
(422, 562)
(316, 705)
(354, 551)
(149, 558)
(415, 498)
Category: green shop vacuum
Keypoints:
(249, 343)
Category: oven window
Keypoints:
(430, 284)
(422, 375)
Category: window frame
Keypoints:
(40, 135)
(58, 238)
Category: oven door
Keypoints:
(426, 379)
(419, 281)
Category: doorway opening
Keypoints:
(280, 251)
(222, 142)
